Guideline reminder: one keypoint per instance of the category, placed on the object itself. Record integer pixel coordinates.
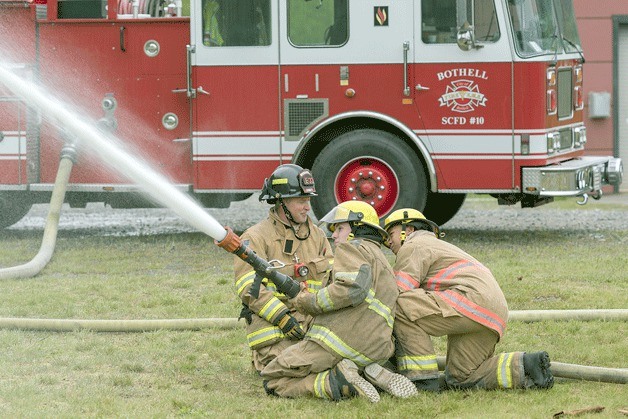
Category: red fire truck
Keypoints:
(405, 103)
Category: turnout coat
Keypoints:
(354, 314)
(460, 285)
(272, 239)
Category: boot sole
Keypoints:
(546, 379)
(547, 373)
(363, 387)
(395, 384)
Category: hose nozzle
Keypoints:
(233, 244)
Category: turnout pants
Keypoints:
(262, 356)
(301, 369)
(471, 362)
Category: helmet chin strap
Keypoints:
(402, 234)
(292, 222)
(351, 235)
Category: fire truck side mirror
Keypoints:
(466, 38)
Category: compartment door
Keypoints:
(236, 131)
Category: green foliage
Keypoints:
(207, 373)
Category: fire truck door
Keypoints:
(342, 61)
(235, 84)
(464, 94)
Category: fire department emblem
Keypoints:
(380, 16)
(462, 96)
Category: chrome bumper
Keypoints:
(574, 177)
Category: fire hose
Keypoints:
(559, 369)
(41, 259)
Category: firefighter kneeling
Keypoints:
(351, 333)
(446, 292)
(289, 238)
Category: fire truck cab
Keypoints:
(406, 103)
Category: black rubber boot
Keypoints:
(536, 366)
(269, 391)
(431, 384)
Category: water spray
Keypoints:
(157, 186)
(154, 184)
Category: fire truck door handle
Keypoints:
(189, 90)
(406, 86)
(200, 89)
(421, 88)
(122, 40)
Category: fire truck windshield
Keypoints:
(544, 27)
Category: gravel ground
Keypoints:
(478, 213)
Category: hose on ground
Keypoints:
(41, 259)
(67, 325)
(559, 369)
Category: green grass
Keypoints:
(207, 373)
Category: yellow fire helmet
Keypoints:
(410, 216)
(356, 213)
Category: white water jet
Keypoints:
(154, 184)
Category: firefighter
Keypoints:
(353, 320)
(446, 292)
(289, 237)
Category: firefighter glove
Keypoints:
(246, 313)
(291, 327)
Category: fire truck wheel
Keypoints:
(372, 166)
(12, 209)
(441, 207)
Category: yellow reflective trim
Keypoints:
(347, 275)
(271, 308)
(281, 181)
(380, 308)
(417, 363)
(324, 300)
(504, 373)
(333, 342)
(319, 385)
(313, 285)
(244, 281)
(264, 335)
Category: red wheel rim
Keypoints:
(370, 180)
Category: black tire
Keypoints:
(393, 164)
(441, 207)
(12, 209)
